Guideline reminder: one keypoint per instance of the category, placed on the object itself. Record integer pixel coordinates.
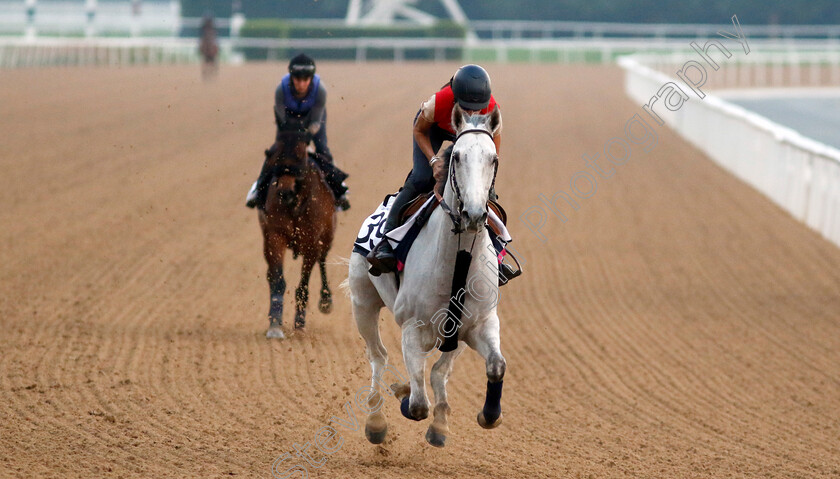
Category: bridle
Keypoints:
(288, 151)
(458, 228)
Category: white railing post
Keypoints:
(834, 59)
(136, 12)
(815, 74)
(31, 11)
(90, 18)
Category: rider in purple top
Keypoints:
(301, 97)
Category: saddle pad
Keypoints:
(401, 237)
(371, 232)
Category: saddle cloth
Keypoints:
(403, 236)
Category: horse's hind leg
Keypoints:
(302, 291)
(274, 246)
(439, 429)
(367, 320)
(325, 305)
(366, 305)
(486, 342)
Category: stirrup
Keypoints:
(342, 203)
(251, 198)
(506, 271)
(381, 265)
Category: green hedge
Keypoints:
(276, 28)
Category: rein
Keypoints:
(458, 228)
(289, 170)
(297, 169)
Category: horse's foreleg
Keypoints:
(274, 247)
(485, 340)
(439, 429)
(302, 291)
(325, 305)
(416, 405)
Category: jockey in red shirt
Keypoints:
(470, 88)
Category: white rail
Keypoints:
(550, 29)
(764, 68)
(799, 174)
(90, 17)
(43, 52)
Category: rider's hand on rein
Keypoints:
(437, 168)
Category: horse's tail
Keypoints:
(344, 286)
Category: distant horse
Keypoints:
(208, 48)
(299, 214)
(420, 300)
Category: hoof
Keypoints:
(400, 390)
(483, 422)
(325, 305)
(300, 322)
(417, 415)
(275, 332)
(375, 437)
(435, 438)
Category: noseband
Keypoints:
(453, 215)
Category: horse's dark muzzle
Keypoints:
(287, 198)
(473, 222)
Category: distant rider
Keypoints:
(301, 96)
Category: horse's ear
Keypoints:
(494, 122)
(458, 118)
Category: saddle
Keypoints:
(414, 206)
(506, 271)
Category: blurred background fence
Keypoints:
(116, 32)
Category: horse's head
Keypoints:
(472, 169)
(290, 160)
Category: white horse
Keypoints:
(420, 304)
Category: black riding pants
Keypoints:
(420, 178)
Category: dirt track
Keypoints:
(678, 325)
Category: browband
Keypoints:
(474, 130)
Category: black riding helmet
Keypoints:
(302, 66)
(471, 86)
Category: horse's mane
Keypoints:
(447, 155)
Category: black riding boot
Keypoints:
(382, 258)
(262, 183)
(335, 179)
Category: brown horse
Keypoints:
(208, 48)
(300, 215)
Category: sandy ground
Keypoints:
(678, 325)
